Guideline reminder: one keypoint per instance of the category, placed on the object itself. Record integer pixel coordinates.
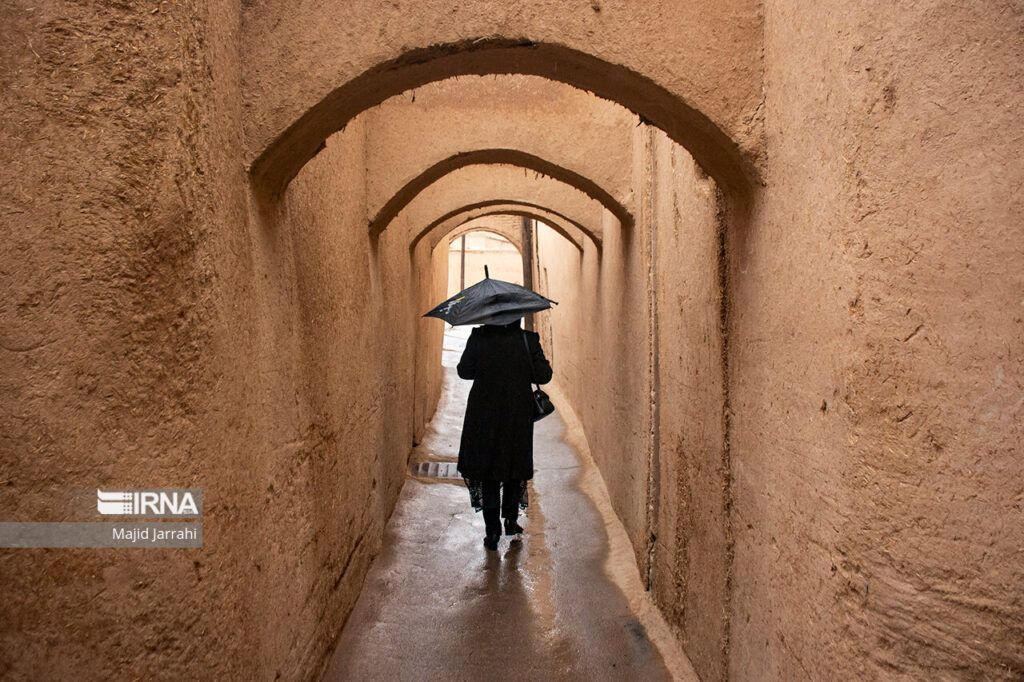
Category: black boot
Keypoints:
(512, 528)
(492, 520)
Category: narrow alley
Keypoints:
(784, 244)
(435, 606)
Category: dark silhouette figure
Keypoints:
(496, 452)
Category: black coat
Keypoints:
(497, 434)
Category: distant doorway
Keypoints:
(469, 253)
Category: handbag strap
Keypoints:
(529, 358)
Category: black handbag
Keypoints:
(542, 405)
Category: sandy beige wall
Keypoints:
(432, 275)
(123, 215)
(600, 339)
(651, 402)
(164, 329)
(330, 471)
(877, 339)
(691, 555)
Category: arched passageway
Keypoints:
(510, 157)
(281, 156)
(467, 219)
(485, 187)
(425, 127)
(501, 226)
(571, 229)
(491, 247)
(606, 341)
(799, 391)
(610, 319)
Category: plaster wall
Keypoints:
(652, 400)
(300, 64)
(876, 350)
(163, 329)
(691, 553)
(431, 268)
(601, 331)
(569, 128)
(332, 480)
(125, 343)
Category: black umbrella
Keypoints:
(490, 301)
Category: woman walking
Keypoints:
(496, 452)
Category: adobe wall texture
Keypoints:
(334, 467)
(805, 400)
(603, 363)
(650, 396)
(304, 70)
(569, 129)
(124, 201)
(876, 349)
(431, 268)
(691, 553)
(162, 329)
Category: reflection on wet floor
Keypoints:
(436, 605)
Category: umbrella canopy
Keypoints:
(490, 301)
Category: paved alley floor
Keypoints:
(437, 606)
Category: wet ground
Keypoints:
(436, 605)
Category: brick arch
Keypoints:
(289, 149)
(511, 157)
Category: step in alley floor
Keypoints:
(437, 606)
